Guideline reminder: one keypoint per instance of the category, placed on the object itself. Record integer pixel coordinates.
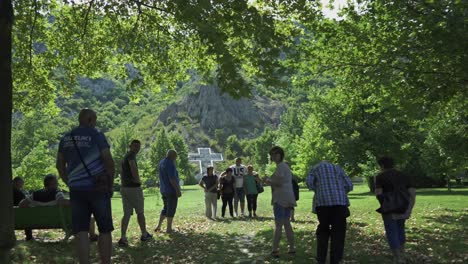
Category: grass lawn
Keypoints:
(436, 233)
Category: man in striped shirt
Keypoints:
(331, 185)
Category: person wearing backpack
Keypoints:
(394, 190)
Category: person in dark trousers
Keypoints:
(295, 185)
(331, 186)
(387, 181)
(226, 186)
(169, 188)
(85, 164)
(132, 194)
(18, 196)
(251, 180)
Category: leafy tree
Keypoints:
(120, 146)
(233, 147)
(35, 165)
(158, 150)
(178, 142)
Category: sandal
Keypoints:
(123, 243)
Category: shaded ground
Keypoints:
(436, 234)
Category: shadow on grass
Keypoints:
(441, 239)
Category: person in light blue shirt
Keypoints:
(331, 186)
(169, 188)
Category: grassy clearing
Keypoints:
(437, 233)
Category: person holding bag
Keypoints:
(251, 181)
(85, 164)
(397, 198)
(209, 183)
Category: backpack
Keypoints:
(395, 202)
(295, 186)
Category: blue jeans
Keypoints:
(85, 203)
(394, 230)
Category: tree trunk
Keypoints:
(7, 234)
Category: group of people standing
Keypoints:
(85, 164)
(236, 183)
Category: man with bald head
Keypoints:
(85, 164)
(170, 189)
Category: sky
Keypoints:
(332, 13)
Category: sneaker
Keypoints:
(146, 237)
(123, 243)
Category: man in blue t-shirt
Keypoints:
(85, 164)
(170, 189)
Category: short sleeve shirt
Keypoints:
(250, 184)
(45, 196)
(126, 177)
(238, 172)
(18, 195)
(227, 185)
(210, 181)
(391, 179)
(283, 194)
(90, 143)
(167, 171)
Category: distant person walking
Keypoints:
(132, 194)
(170, 189)
(331, 185)
(282, 200)
(210, 183)
(389, 183)
(251, 180)
(239, 170)
(85, 164)
(226, 186)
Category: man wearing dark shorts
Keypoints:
(170, 189)
(85, 164)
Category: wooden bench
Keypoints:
(44, 217)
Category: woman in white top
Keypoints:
(283, 200)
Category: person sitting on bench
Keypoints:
(50, 195)
(18, 195)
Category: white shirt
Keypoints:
(238, 172)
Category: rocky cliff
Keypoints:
(210, 110)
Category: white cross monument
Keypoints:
(205, 158)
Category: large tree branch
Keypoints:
(85, 26)
(140, 3)
(33, 25)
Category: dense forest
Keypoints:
(385, 79)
